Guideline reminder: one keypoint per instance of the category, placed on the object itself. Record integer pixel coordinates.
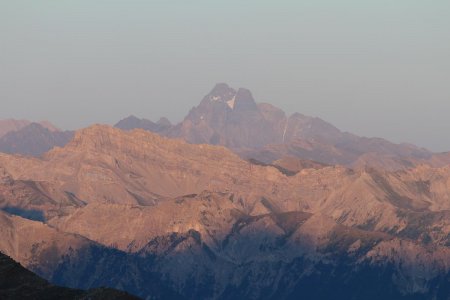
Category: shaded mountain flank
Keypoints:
(164, 219)
(17, 282)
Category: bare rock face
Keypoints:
(162, 218)
(35, 244)
(107, 165)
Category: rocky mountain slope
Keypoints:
(157, 217)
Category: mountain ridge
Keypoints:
(10, 125)
(162, 216)
(261, 131)
(153, 201)
(33, 139)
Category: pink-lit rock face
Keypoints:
(190, 211)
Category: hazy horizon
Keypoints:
(373, 68)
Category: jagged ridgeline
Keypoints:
(164, 219)
(260, 131)
(161, 181)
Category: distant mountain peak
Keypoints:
(240, 100)
(163, 121)
(222, 90)
(132, 118)
(222, 93)
(232, 118)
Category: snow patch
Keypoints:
(231, 102)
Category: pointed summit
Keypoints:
(221, 92)
(230, 118)
(242, 100)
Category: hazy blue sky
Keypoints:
(375, 68)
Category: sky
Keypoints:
(374, 68)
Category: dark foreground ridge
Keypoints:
(17, 282)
